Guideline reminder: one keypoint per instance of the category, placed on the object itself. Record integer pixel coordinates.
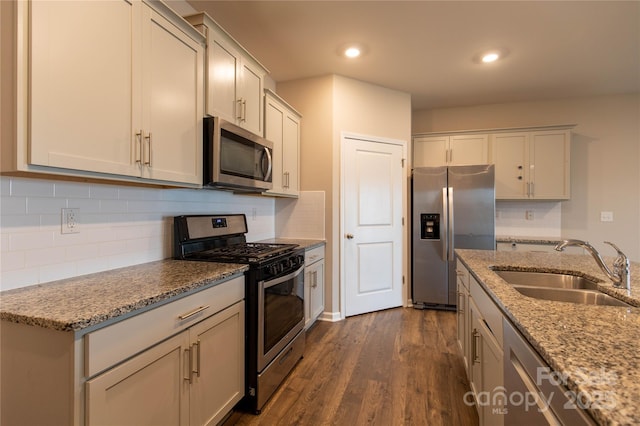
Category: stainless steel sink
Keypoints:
(558, 287)
(546, 279)
(585, 297)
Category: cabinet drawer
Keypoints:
(108, 346)
(313, 255)
(488, 309)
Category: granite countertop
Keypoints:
(597, 348)
(528, 240)
(77, 303)
(303, 243)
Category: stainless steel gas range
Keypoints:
(274, 296)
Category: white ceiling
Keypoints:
(557, 49)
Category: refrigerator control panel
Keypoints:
(430, 226)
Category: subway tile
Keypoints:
(113, 206)
(13, 205)
(18, 278)
(81, 252)
(39, 205)
(103, 192)
(31, 187)
(19, 223)
(47, 256)
(12, 260)
(71, 190)
(56, 272)
(30, 240)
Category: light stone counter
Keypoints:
(597, 348)
(303, 243)
(79, 303)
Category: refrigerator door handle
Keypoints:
(450, 227)
(444, 238)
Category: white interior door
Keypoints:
(372, 225)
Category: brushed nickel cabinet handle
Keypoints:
(148, 138)
(192, 313)
(139, 148)
(197, 370)
(187, 352)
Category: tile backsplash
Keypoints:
(118, 225)
(528, 218)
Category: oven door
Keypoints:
(280, 314)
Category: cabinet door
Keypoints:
(217, 350)
(317, 290)
(274, 131)
(250, 96)
(81, 109)
(149, 389)
(222, 68)
(463, 329)
(172, 102)
(282, 127)
(290, 154)
(468, 150)
(430, 151)
(510, 157)
(549, 164)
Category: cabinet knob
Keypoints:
(519, 167)
(519, 177)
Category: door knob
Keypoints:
(349, 236)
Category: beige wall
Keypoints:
(605, 155)
(331, 105)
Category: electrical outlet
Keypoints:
(529, 215)
(254, 213)
(606, 216)
(70, 221)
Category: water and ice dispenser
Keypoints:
(430, 226)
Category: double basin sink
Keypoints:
(558, 287)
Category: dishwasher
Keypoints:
(533, 401)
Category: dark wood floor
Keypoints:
(396, 367)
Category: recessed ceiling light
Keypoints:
(490, 57)
(352, 52)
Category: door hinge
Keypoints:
(403, 221)
(402, 162)
(403, 279)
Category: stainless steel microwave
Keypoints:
(235, 158)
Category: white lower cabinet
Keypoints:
(463, 316)
(313, 285)
(503, 366)
(485, 369)
(193, 378)
(181, 363)
(149, 389)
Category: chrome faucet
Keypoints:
(620, 276)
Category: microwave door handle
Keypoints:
(267, 174)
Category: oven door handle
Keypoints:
(280, 280)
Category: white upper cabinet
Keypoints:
(282, 127)
(450, 150)
(108, 90)
(81, 109)
(172, 102)
(234, 78)
(532, 165)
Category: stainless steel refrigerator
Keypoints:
(452, 207)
